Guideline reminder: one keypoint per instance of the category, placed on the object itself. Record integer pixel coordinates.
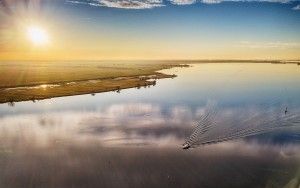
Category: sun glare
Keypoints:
(37, 35)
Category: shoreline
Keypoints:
(38, 92)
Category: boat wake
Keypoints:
(215, 127)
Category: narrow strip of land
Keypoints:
(36, 81)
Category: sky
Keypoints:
(149, 29)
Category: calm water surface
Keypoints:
(133, 138)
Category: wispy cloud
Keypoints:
(183, 2)
(220, 1)
(148, 4)
(265, 45)
(131, 4)
(125, 4)
(296, 7)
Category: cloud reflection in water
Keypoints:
(134, 145)
(122, 124)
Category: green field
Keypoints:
(16, 77)
(14, 74)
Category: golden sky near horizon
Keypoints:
(62, 31)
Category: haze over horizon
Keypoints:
(149, 29)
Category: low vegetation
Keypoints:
(21, 81)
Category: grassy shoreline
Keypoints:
(40, 89)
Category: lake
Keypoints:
(134, 138)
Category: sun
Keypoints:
(37, 35)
